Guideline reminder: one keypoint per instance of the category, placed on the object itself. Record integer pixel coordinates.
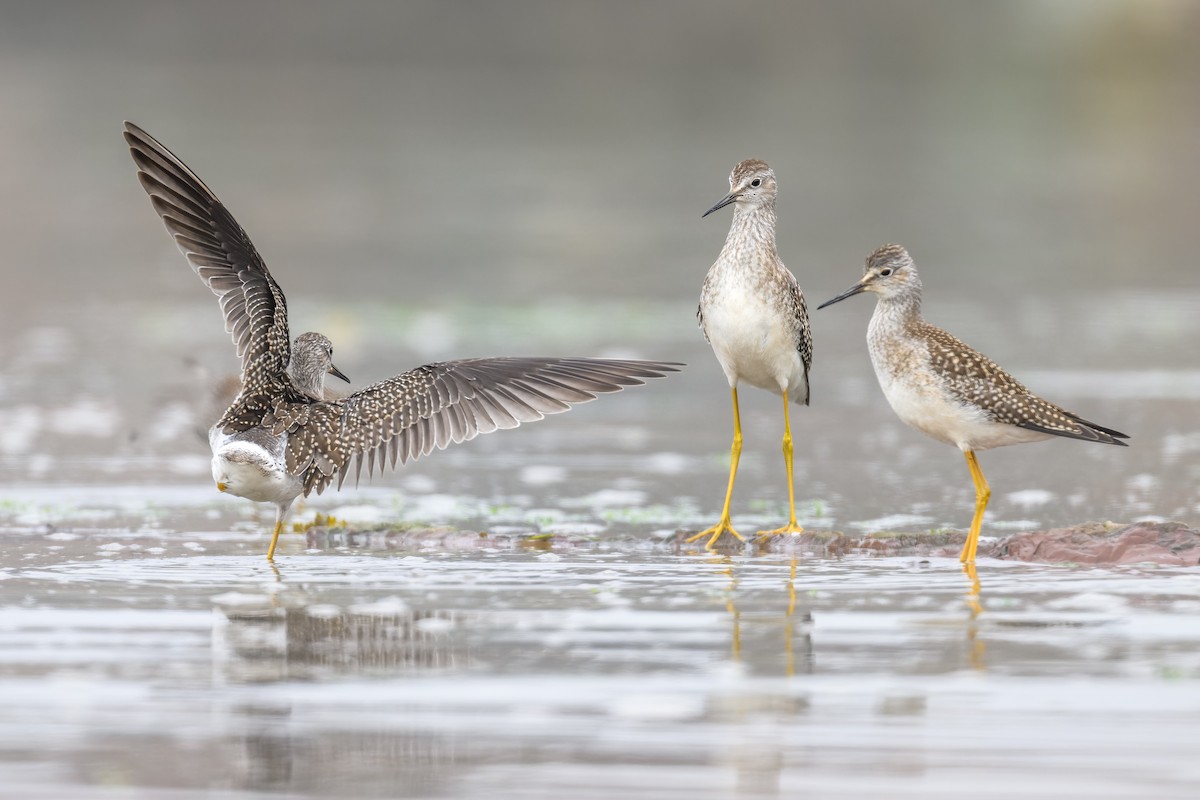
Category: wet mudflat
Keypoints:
(189, 667)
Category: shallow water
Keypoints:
(136, 661)
(428, 182)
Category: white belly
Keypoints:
(752, 344)
(251, 465)
(939, 416)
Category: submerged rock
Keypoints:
(1172, 543)
(1090, 543)
(1098, 543)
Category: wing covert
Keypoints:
(436, 405)
(974, 378)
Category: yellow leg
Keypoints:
(735, 453)
(792, 526)
(280, 515)
(982, 494)
(275, 538)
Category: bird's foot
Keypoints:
(714, 533)
(791, 528)
(319, 521)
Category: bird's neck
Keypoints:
(894, 317)
(308, 382)
(751, 236)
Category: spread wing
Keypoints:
(440, 404)
(975, 379)
(221, 254)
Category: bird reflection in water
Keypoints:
(271, 642)
(771, 619)
(789, 625)
(975, 645)
(254, 644)
(731, 606)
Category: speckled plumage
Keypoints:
(282, 436)
(944, 388)
(753, 314)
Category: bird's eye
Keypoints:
(756, 182)
(883, 273)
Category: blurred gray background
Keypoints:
(446, 179)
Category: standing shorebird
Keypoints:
(945, 389)
(281, 437)
(752, 312)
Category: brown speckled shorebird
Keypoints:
(943, 388)
(281, 437)
(752, 312)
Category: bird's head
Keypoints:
(889, 273)
(752, 183)
(311, 361)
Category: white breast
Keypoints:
(751, 342)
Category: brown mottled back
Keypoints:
(975, 379)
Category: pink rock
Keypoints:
(1172, 543)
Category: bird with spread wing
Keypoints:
(282, 437)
